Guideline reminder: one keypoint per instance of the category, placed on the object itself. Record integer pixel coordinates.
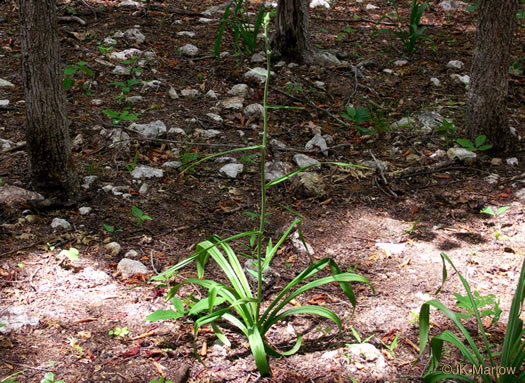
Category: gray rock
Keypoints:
(134, 99)
(405, 122)
(496, 161)
(6, 84)
(11, 195)
(189, 50)
(316, 144)
(257, 73)
(126, 54)
(302, 160)
(368, 352)
(520, 194)
(173, 93)
(391, 248)
(131, 254)
(152, 130)
(15, 317)
(186, 33)
(118, 35)
(4, 102)
(383, 165)
(211, 94)
(129, 267)
(143, 171)
(400, 62)
(299, 245)
(85, 210)
(320, 84)
(121, 70)
(435, 81)
(177, 131)
(208, 133)
(455, 64)
(461, 154)
(370, 7)
(429, 120)
(59, 223)
(222, 160)
(6, 144)
(110, 41)
(215, 9)
(135, 35)
(465, 80)
(309, 185)
(129, 4)
(97, 102)
(152, 84)
(143, 188)
(189, 93)
(120, 139)
(512, 161)
(234, 103)
(239, 90)
(214, 117)
(254, 111)
(276, 169)
(112, 248)
(258, 58)
(88, 180)
(319, 3)
(276, 144)
(231, 170)
(172, 164)
(326, 59)
(493, 179)
(205, 20)
(452, 5)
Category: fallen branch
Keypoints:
(66, 19)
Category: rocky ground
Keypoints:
(147, 98)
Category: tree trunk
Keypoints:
(487, 96)
(47, 134)
(291, 38)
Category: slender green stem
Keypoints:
(263, 175)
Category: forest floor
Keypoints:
(423, 210)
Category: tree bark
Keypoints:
(291, 38)
(47, 134)
(486, 107)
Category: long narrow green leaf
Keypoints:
(438, 376)
(219, 334)
(258, 351)
(273, 251)
(344, 277)
(311, 310)
(166, 274)
(221, 154)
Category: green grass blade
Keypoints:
(273, 251)
(247, 148)
(310, 310)
(258, 351)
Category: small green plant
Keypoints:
(1, 181)
(131, 64)
(346, 32)
(116, 117)
(391, 347)
(112, 229)
(358, 337)
(104, 49)
(139, 216)
(448, 130)
(119, 332)
(240, 303)
(72, 70)
(291, 87)
(125, 88)
(133, 164)
(490, 363)
(409, 36)
(489, 210)
(518, 67)
(244, 33)
(492, 310)
(475, 146)
(360, 117)
(161, 380)
(414, 317)
(71, 254)
(325, 331)
(49, 377)
(247, 159)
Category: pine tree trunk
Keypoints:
(291, 39)
(487, 96)
(47, 134)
